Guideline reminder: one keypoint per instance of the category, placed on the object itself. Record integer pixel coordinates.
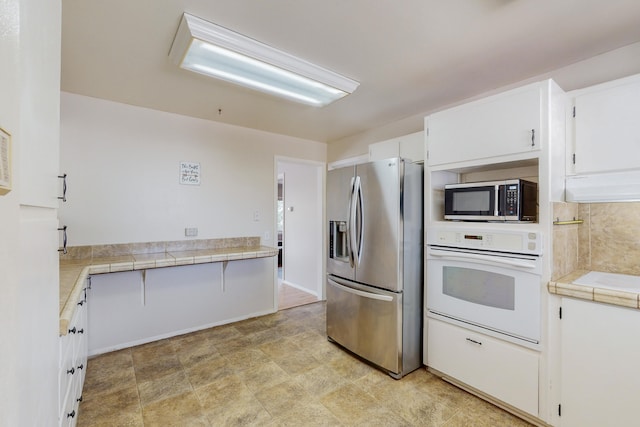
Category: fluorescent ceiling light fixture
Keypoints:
(217, 52)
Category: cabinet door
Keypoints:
(508, 123)
(600, 383)
(606, 132)
(505, 371)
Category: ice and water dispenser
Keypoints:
(338, 247)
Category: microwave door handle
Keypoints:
(478, 257)
(361, 293)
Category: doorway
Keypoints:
(299, 220)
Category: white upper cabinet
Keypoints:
(503, 124)
(606, 134)
(409, 147)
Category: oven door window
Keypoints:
(480, 287)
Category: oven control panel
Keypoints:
(492, 240)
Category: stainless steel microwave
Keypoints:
(509, 200)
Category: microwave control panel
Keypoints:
(516, 241)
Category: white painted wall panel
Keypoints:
(123, 164)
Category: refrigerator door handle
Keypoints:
(361, 293)
(353, 202)
(359, 219)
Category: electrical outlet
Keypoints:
(191, 231)
(256, 216)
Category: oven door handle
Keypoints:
(479, 257)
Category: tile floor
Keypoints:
(275, 370)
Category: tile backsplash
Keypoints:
(608, 240)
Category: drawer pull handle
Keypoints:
(474, 341)
(81, 303)
(72, 330)
(71, 371)
(79, 399)
(533, 137)
(63, 177)
(71, 414)
(81, 331)
(64, 239)
(81, 366)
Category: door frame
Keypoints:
(320, 186)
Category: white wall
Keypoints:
(123, 161)
(303, 227)
(29, 301)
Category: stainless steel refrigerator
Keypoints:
(375, 265)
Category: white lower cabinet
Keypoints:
(600, 382)
(73, 364)
(497, 368)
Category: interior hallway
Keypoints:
(275, 370)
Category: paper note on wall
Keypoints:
(189, 173)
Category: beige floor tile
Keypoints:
(250, 326)
(190, 352)
(263, 376)
(151, 352)
(350, 404)
(109, 373)
(349, 366)
(312, 414)
(162, 365)
(246, 358)
(163, 387)
(239, 413)
(320, 381)
(221, 393)
(282, 398)
(223, 333)
(121, 407)
(483, 414)
(297, 362)
(208, 371)
(181, 410)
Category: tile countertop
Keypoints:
(74, 272)
(622, 290)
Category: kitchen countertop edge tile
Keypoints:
(565, 287)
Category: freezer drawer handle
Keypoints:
(362, 293)
(474, 341)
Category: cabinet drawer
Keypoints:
(503, 370)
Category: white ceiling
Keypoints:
(410, 56)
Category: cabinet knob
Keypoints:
(81, 366)
(72, 330)
(81, 303)
(79, 399)
(81, 331)
(71, 414)
(71, 371)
